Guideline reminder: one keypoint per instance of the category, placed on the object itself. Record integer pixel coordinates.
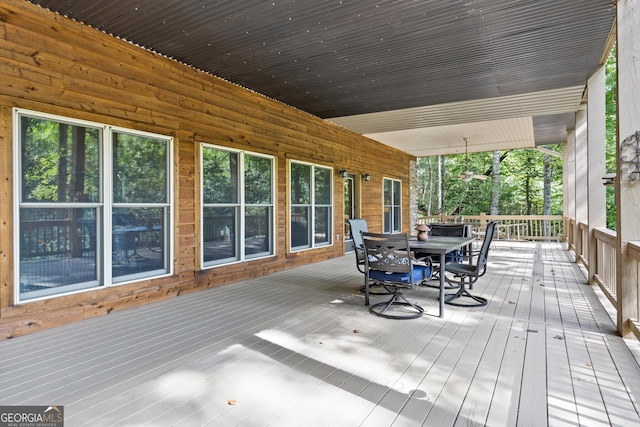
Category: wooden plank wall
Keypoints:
(54, 65)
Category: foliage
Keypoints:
(60, 162)
(519, 170)
(611, 132)
(139, 169)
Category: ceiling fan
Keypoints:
(467, 175)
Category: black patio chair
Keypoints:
(388, 263)
(464, 274)
(357, 226)
(446, 230)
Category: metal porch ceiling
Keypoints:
(414, 74)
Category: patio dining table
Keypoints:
(441, 245)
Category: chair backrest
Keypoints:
(357, 226)
(389, 253)
(450, 230)
(484, 250)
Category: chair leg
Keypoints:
(434, 282)
(385, 291)
(398, 299)
(452, 299)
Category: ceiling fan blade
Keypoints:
(481, 177)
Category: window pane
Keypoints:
(257, 231)
(219, 234)
(57, 251)
(300, 227)
(322, 232)
(257, 175)
(60, 162)
(139, 169)
(220, 176)
(397, 193)
(138, 242)
(300, 184)
(387, 228)
(322, 186)
(396, 219)
(387, 192)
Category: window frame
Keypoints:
(311, 207)
(240, 207)
(103, 208)
(392, 207)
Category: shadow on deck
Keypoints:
(298, 347)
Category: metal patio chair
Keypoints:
(446, 230)
(464, 275)
(357, 226)
(388, 263)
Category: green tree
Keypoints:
(521, 182)
(611, 132)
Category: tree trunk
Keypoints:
(527, 185)
(441, 192)
(546, 207)
(495, 185)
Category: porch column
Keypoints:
(627, 185)
(568, 177)
(596, 155)
(580, 176)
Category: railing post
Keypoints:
(627, 188)
(596, 155)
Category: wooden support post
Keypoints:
(580, 179)
(596, 158)
(569, 169)
(627, 185)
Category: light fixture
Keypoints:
(343, 173)
(630, 158)
(366, 176)
(609, 179)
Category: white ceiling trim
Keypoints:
(547, 102)
(499, 123)
(506, 134)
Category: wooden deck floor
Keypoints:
(298, 348)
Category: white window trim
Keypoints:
(241, 205)
(313, 205)
(105, 279)
(392, 205)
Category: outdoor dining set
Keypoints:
(441, 256)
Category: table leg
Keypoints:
(366, 291)
(442, 270)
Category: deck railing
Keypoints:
(510, 227)
(582, 246)
(633, 250)
(605, 272)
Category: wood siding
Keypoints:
(54, 65)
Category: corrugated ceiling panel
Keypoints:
(341, 58)
(334, 58)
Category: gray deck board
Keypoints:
(298, 348)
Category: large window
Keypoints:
(311, 190)
(392, 201)
(237, 205)
(92, 202)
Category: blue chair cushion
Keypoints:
(455, 256)
(419, 272)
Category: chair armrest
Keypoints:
(424, 261)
